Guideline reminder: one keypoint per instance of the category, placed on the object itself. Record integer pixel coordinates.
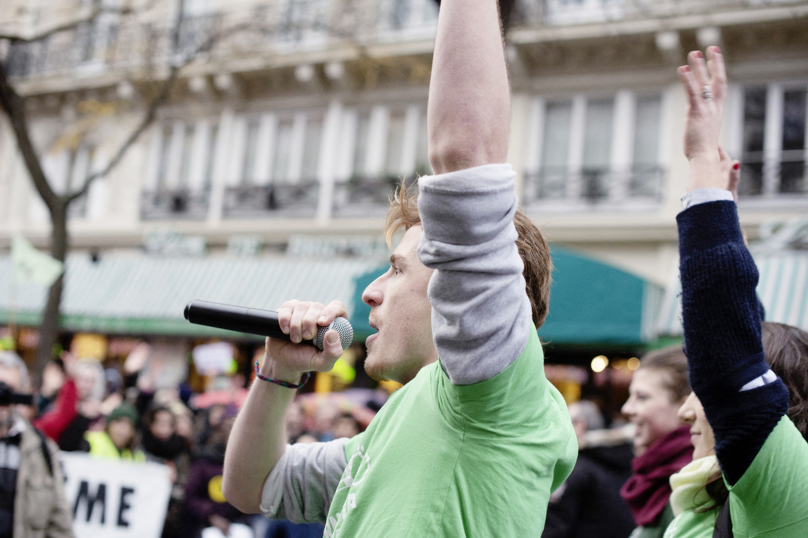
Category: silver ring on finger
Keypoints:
(707, 93)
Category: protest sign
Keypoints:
(114, 498)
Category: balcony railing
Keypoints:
(594, 185)
(292, 201)
(128, 44)
(769, 178)
(538, 13)
(174, 204)
(363, 197)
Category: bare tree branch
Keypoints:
(154, 105)
(14, 106)
(75, 23)
(147, 120)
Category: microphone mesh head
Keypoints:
(342, 326)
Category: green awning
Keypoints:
(595, 303)
(139, 294)
(590, 303)
(782, 288)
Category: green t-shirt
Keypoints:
(771, 498)
(657, 531)
(448, 460)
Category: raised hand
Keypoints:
(706, 87)
(300, 320)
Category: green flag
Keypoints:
(31, 265)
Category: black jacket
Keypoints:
(588, 504)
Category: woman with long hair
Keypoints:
(749, 475)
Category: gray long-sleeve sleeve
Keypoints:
(481, 315)
(302, 484)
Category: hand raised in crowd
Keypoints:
(137, 358)
(706, 87)
(301, 320)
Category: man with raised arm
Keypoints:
(477, 439)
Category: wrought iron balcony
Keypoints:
(774, 178)
(363, 197)
(593, 185)
(297, 200)
(174, 204)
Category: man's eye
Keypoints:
(396, 270)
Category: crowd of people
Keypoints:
(112, 412)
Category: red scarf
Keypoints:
(648, 490)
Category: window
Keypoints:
(361, 144)
(283, 149)
(304, 22)
(556, 148)
(563, 12)
(645, 154)
(773, 146)
(248, 172)
(311, 148)
(594, 149)
(395, 144)
(597, 149)
(412, 16)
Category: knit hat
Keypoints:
(124, 410)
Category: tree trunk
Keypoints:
(49, 327)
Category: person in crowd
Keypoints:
(749, 378)
(90, 383)
(159, 438)
(118, 439)
(661, 443)
(477, 439)
(203, 496)
(346, 426)
(588, 503)
(32, 499)
(295, 422)
(324, 417)
(162, 444)
(53, 379)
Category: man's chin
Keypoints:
(375, 368)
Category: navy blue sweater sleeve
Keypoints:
(721, 321)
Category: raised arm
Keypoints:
(468, 114)
(720, 312)
(481, 315)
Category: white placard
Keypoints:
(213, 358)
(113, 498)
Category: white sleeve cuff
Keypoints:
(765, 379)
(702, 196)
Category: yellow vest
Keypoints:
(102, 446)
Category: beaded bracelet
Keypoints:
(286, 384)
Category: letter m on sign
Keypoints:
(90, 500)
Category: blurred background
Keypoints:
(244, 151)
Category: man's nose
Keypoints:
(373, 296)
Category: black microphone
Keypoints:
(261, 322)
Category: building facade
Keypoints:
(291, 121)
